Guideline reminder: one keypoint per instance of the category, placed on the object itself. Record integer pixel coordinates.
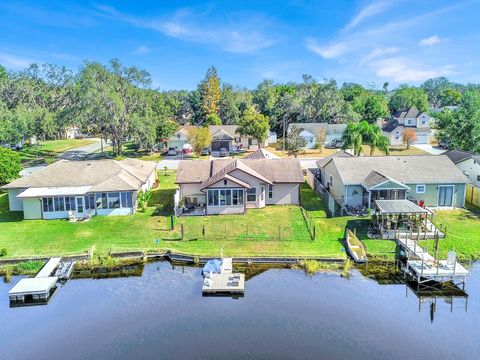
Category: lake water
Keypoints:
(284, 314)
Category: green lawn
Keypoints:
(272, 231)
(39, 153)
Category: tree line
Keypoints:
(118, 102)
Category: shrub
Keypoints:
(143, 199)
(3, 252)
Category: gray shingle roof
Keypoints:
(399, 207)
(101, 175)
(411, 112)
(428, 169)
(341, 153)
(458, 156)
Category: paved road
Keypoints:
(83, 152)
(430, 149)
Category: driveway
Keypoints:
(84, 152)
(430, 149)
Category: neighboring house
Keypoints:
(468, 163)
(320, 173)
(230, 186)
(410, 118)
(180, 137)
(226, 136)
(72, 132)
(319, 133)
(358, 181)
(94, 187)
(261, 154)
(272, 137)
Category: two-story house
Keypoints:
(411, 118)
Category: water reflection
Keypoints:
(158, 312)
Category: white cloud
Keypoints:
(379, 52)
(402, 69)
(237, 33)
(331, 51)
(15, 62)
(368, 11)
(142, 49)
(430, 41)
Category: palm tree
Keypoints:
(353, 138)
(377, 140)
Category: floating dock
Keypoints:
(41, 287)
(224, 283)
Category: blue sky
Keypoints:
(369, 42)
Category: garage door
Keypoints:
(422, 138)
(217, 145)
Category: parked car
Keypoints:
(334, 144)
(443, 144)
(223, 152)
(172, 151)
(205, 151)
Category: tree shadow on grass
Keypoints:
(162, 199)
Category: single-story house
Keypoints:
(319, 133)
(84, 188)
(358, 181)
(467, 162)
(261, 154)
(180, 137)
(411, 118)
(230, 186)
(226, 136)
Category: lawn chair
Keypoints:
(71, 216)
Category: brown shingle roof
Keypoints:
(275, 171)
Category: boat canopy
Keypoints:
(213, 266)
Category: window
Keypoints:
(330, 182)
(101, 201)
(70, 203)
(225, 197)
(222, 198)
(90, 202)
(262, 192)
(224, 181)
(270, 191)
(424, 120)
(47, 204)
(409, 121)
(113, 200)
(478, 177)
(420, 189)
(397, 135)
(59, 203)
(252, 194)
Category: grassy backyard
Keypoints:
(272, 231)
(39, 153)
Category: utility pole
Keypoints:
(284, 134)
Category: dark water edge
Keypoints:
(285, 314)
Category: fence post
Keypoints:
(203, 231)
(172, 222)
(225, 231)
(314, 232)
(182, 231)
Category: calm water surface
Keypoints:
(284, 314)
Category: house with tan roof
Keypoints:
(81, 188)
(228, 137)
(430, 180)
(231, 186)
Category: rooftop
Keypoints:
(98, 175)
(422, 169)
(458, 156)
(399, 207)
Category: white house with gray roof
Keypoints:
(429, 180)
(319, 133)
(419, 121)
(93, 187)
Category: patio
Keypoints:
(395, 219)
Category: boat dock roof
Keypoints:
(224, 284)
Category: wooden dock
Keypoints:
(423, 267)
(224, 283)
